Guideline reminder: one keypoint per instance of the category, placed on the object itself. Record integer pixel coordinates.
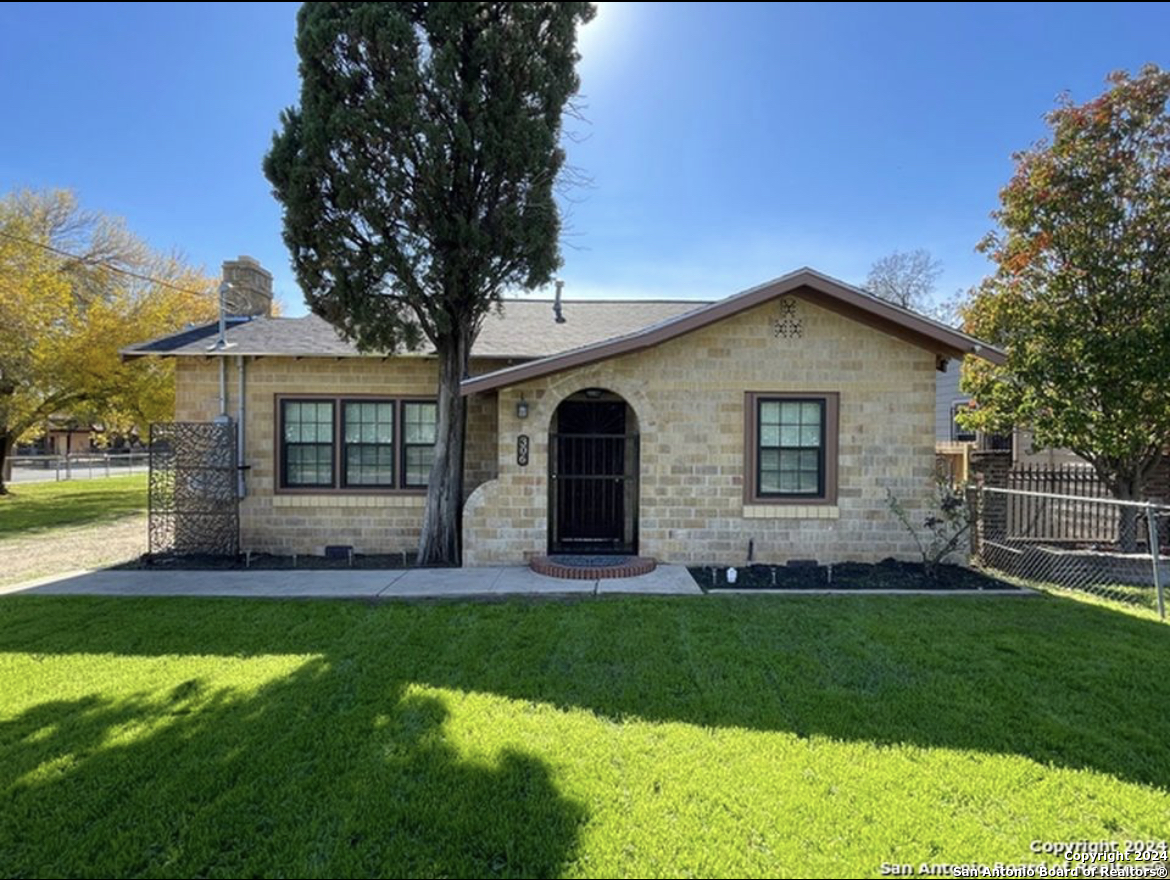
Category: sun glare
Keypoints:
(598, 39)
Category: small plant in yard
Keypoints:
(946, 524)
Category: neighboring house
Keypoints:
(949, 401)
(952, 439)
(768, 425)
(63, 435)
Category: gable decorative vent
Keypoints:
(788, 324)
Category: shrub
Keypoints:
(947, 522)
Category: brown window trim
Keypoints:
(832, 402)
(338, 487)
(403, 445)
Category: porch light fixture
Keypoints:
(522, 408)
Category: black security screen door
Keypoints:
(593, 479)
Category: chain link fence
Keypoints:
(1100, 546)
(76, 466)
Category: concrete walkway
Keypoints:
(351, 583)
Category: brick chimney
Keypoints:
(251, 292)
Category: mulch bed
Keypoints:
(269, 562)
(889, 574)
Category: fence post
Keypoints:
(975, 518)
(1152, 531)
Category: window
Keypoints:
(308, 443)
(355, 444)
(959, 434)
(418, 445)
(369, 443)
(791, 436)
(791, 448)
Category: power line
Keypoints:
(94, 261)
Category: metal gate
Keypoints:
(593, 481)
(192, 502)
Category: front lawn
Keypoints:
(725, 735)
(33, 507)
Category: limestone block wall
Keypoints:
(688, 396)
(275, 522)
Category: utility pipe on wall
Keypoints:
(241, 488)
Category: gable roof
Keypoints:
(523, 329)
(808, 283)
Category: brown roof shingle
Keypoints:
(523, 330)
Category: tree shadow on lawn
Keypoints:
(1052, 680)
(320, 773)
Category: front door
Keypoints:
(593, 479)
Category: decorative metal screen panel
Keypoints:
(194, 508)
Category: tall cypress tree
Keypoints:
(417, 178)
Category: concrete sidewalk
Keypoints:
(351, 583)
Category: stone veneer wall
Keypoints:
(688, 396)
(288, 523)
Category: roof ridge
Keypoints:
(608, 300)
(878, 312)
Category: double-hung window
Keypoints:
(369, 443)
(791, 448)
(308, 443)
(419, 419)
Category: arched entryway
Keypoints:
(593, 475)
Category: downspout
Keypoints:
(241, 489)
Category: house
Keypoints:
(1013, 460)
(768, 425)
(954, 441)
(64, 435)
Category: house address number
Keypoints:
(522, 450)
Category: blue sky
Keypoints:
(726, 144)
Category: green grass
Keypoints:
(764, 736)
(34, 507)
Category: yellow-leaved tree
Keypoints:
(69, 300)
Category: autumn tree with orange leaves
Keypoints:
(1080, 297)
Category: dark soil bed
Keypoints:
(888, 574)
(268, 562)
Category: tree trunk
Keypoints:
(5, 464)
(1127, 488)
(439, 543)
